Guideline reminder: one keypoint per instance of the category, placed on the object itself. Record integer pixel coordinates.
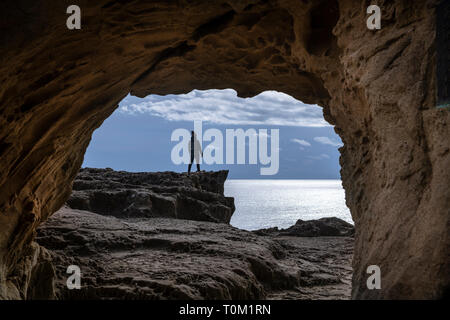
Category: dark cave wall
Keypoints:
(376, 87)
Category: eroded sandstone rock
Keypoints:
(376, 87)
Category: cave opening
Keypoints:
(218, 232)
(59, 86)
(138, 137)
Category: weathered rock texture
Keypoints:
(324, 227)
(138, 255)
(376, 87)
(160, 258)
(198, 196)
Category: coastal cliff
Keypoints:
(133, 251)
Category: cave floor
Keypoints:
(161, 258)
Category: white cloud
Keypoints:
(328, 141)
(301, 142)
(225, 107)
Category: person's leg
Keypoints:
(197, 160)
(190, 164)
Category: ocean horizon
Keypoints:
(266, 203)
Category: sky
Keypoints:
(137, 136)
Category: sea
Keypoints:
(280, 203)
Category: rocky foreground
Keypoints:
(134, 251)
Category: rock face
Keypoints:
(377, 88)
(125, 250)
(324, 227)
(160, 258)
(198, 196)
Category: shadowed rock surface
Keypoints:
(160, 258)
(127, 251)
(324, 227)
(198, 196)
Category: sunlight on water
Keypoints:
(280, 203)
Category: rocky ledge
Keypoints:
(142, 256)
(198, 196)
(324, 227)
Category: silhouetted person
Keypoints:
(195, 150)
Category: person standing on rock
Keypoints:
(195, 150)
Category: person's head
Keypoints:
(193, 133)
